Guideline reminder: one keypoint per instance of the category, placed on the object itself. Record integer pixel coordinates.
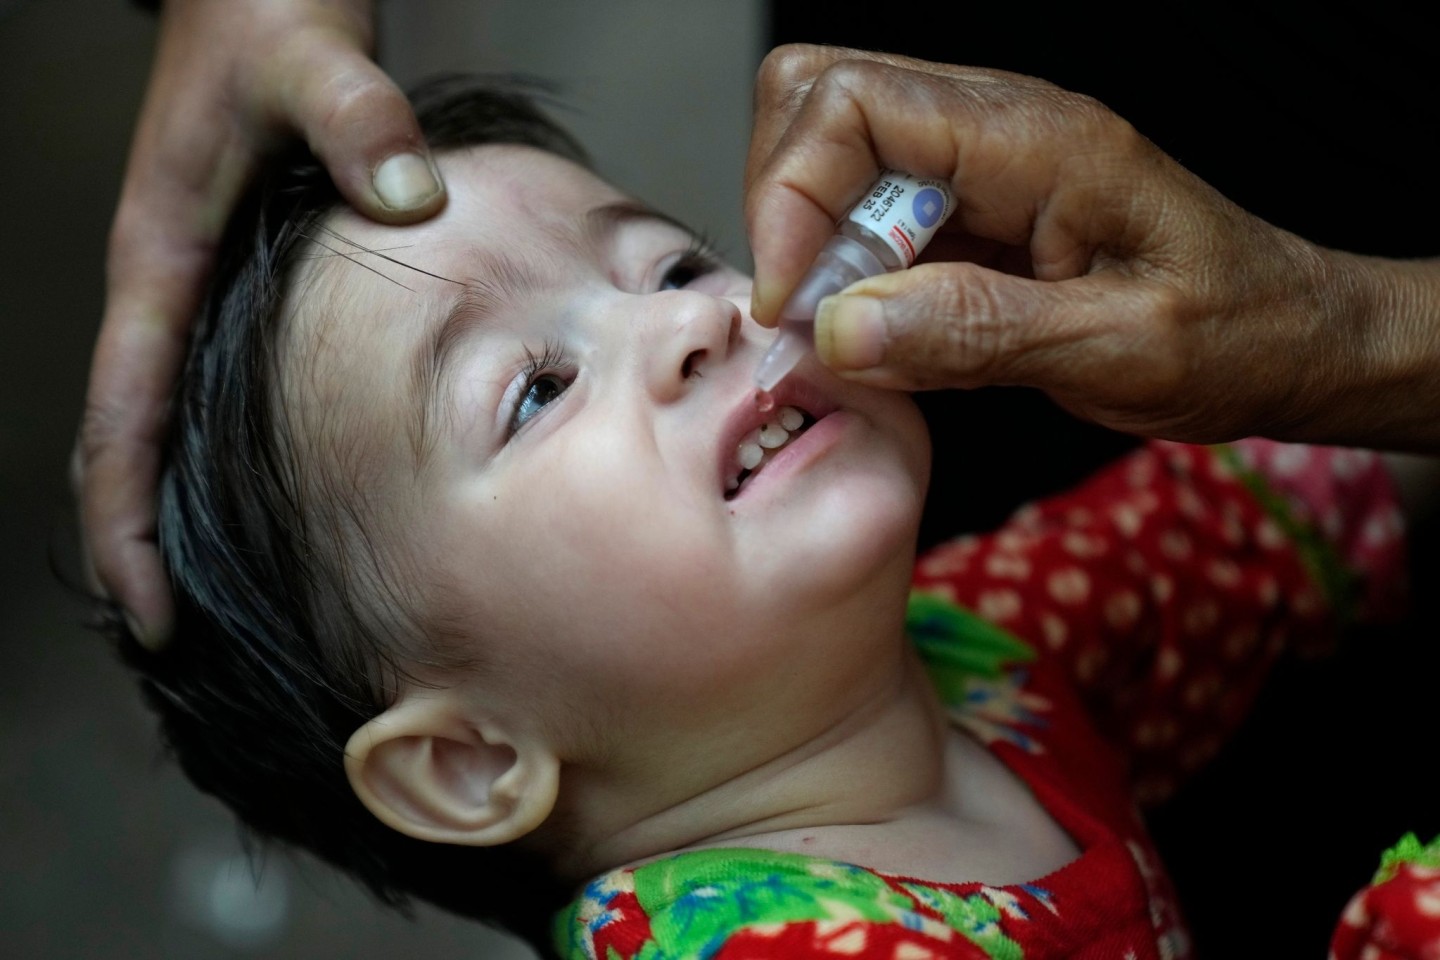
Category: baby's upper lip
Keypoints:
(745, 417)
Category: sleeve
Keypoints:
(1397, 917)
(1167, 584)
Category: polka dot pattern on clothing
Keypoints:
(1169, 585)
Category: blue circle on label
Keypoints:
(927, 207)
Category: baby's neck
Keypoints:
(985, 825)
(893, 787)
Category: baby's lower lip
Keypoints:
(797, 454)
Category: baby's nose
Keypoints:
(692, 332)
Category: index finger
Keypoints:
(784, 81)
(861, 113)
(357, 122)
(184, 173)
(137, 356)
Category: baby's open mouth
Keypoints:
(761, 444)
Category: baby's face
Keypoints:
(586, 389)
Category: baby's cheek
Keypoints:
(607, 511)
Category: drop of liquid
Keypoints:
(764, 402)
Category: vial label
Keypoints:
(904, 211)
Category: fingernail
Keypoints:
(850, 332)
(758, 302)
(754, 300)
(153, 638)
(405, 181)
(136, 630)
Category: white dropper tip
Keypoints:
(780, 359)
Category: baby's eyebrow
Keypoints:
(602, 221)
(502, 280)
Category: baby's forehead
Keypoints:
(363, 294)
(503, 195)
(508, 204)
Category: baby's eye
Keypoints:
(539, 392)
(693, 264)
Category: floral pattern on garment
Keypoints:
(737, 903)
(973, 665)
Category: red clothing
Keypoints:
(1102, 644)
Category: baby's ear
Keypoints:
(433, 775)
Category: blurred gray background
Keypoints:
(105, 851)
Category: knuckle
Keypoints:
(360, 100)
(99, 426)
(1123, 137)
(785, 78)
(787, 66)
(792, 74)
(130, 268)
(965, 336)
(844, 76)
(834, 89)
(1078, 116)
(1080, 106)
(1098, 122)
(149, 240)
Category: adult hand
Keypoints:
(230, 79)
(1081, 260)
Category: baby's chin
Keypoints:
(898, 415)
(854, 534)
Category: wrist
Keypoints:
(1382, 374)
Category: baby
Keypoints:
(495, 588)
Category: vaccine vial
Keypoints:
(884, 232)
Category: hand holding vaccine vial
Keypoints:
(884, 232)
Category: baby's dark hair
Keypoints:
(277, 658)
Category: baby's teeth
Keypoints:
(790, 418)
(732, 484)
(772, 435)
(750, 454)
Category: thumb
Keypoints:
(359, 124)
(961, 325)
